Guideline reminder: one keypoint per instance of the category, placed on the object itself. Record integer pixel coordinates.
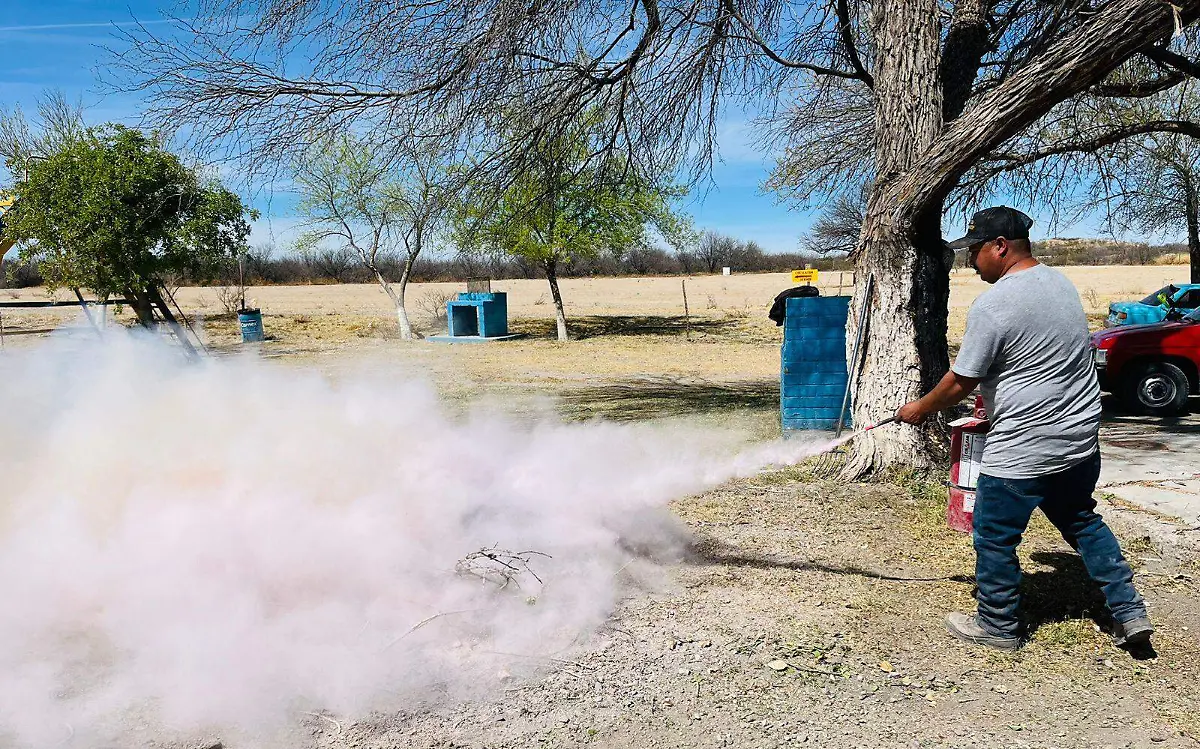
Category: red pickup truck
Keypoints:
(1151, 368)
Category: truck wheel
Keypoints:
(1158, 389)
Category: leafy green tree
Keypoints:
(110, 210)
(373, 203)
(562, 205)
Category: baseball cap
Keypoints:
(990, 223)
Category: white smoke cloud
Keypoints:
(214, 547)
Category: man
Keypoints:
(1027, 345)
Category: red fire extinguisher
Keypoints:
(967, 438)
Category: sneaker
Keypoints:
(1133, 632)
(967, 629)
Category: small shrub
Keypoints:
(20, 275)
(1173, 258)
(230, 299)
(432, 306)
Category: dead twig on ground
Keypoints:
(551, 659)
(427, 620)
(1151, 482)
(618, 629)
(500, 567)
(335, 723)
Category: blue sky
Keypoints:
(58, 45)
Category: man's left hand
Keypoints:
(912, 413)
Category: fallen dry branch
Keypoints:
(500, 567)
(427, 620)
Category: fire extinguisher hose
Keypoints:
(881, 423)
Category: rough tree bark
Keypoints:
(560, 313)
(919, 162)
(900, 248)
(1192, 206)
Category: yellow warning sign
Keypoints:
(808, 275)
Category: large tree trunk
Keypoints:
(560, 313)
(142, 307)
(904, 346)
(918, 164)
(1192, 206)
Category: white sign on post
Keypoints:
(725, 271)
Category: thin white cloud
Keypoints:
(95, 25)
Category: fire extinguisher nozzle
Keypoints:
(885, 421)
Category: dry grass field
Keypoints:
(634, 353)
(807, 611)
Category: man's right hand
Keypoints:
(952, 388)
(912, 413)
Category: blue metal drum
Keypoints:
(813, 363)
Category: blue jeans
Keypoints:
(1002, 511)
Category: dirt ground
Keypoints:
(809, 612)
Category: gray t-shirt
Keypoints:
(1027, 340)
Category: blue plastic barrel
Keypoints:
(813, 363)
(250, 321)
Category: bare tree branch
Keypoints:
(846, 28)
(754, 36)
(1140, 89)
(1011, 162)
(1076, 62)
(1174, 60)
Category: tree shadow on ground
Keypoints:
(648, 398)
(595, 326)
(1066, 592)
(1115, 413)
(706, 550)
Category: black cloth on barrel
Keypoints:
(779, 308)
